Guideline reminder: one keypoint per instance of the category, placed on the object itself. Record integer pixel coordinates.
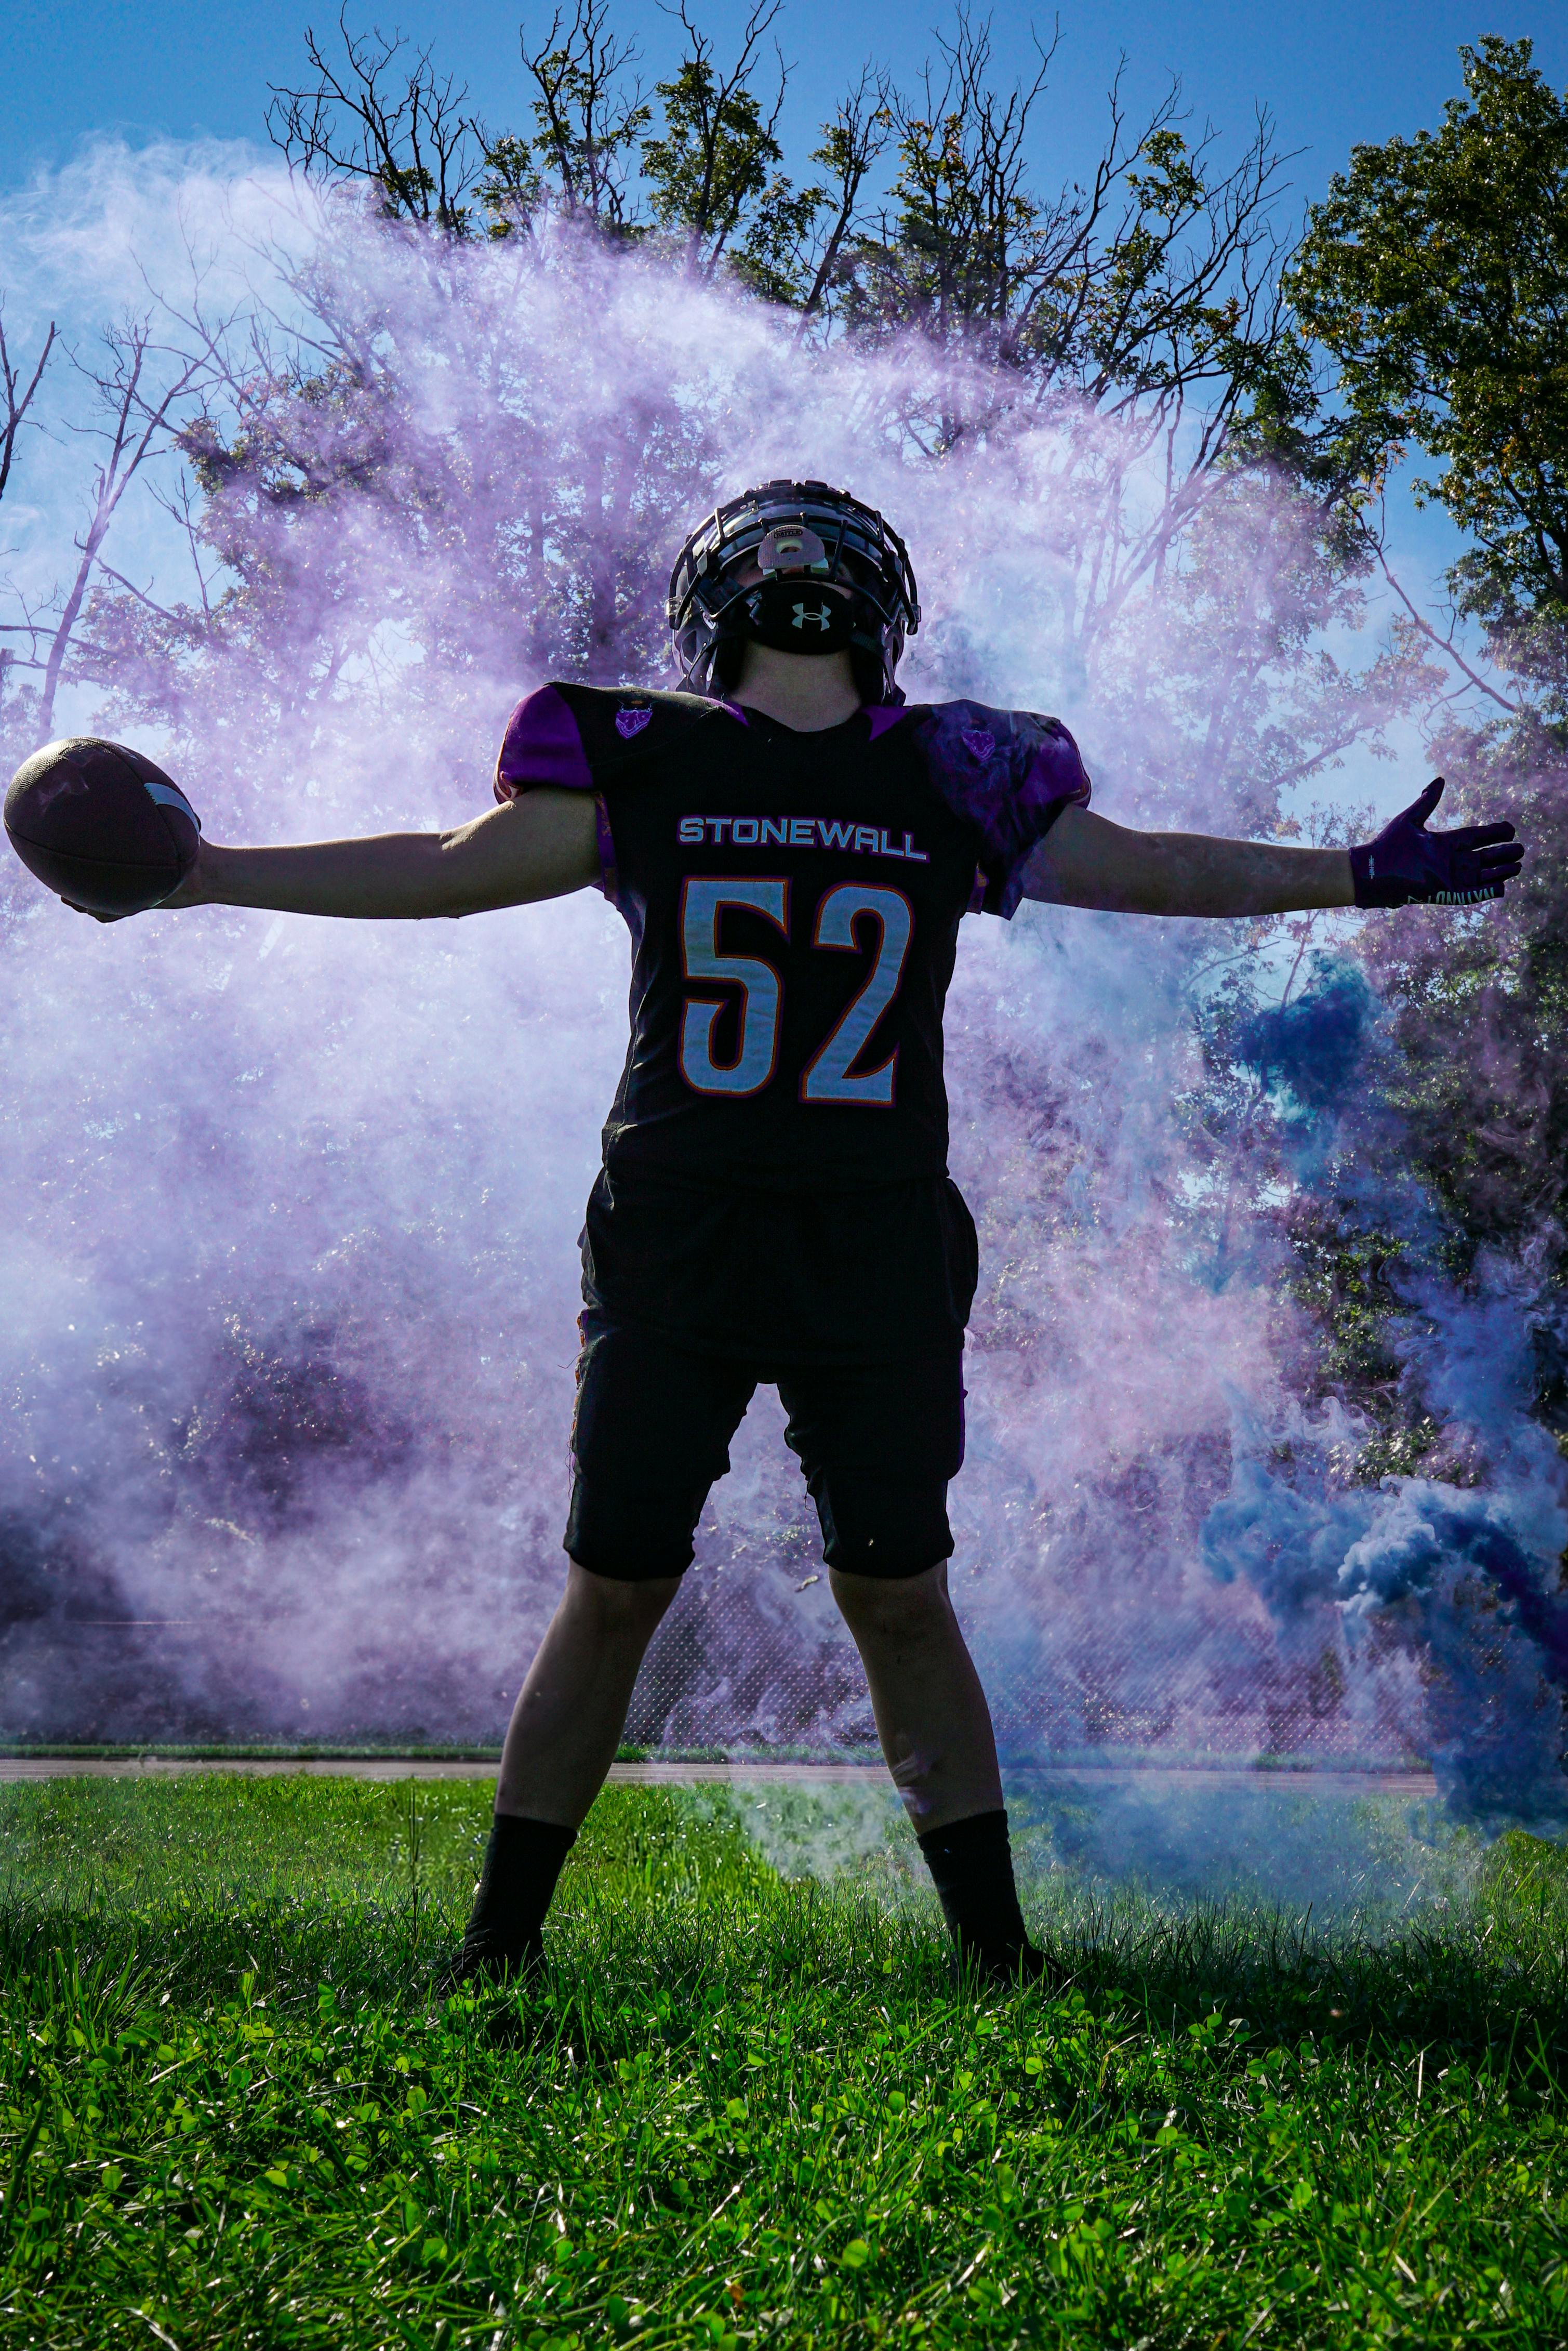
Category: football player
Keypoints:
(793, 847)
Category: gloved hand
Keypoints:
(1407, 865)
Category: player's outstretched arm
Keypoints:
(1085, 861)
(540, 845)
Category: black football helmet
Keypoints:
(805, 533)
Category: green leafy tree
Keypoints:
(588, 123)
(1150, 282)
(714, 175)
(1434, 273)
(1433, 279)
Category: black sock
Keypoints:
(971, 1864)
(522, 1862)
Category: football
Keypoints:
(100, 825)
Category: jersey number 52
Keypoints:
(827, 1076)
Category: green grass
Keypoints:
(228, 1751)
(405, 1752)
(749, 2109)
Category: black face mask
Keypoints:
(797, 616)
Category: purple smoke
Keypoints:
(289, 1304)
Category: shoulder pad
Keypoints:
(576, 736)
(970, 739)
(617, 725)
(1009, 773)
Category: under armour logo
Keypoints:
(979, 743)
(631, 722)
(817, 612)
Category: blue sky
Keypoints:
(1331, 74)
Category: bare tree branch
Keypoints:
(853, 143)
(405, 134)
(138, 423)
(1446, 645)
(18, 403)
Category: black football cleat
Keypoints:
(484, 1964)
(1009, 1969)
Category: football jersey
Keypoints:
(794, 902)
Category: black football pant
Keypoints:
(878, 1444)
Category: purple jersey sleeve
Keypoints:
(1009, 773)
(543, 745)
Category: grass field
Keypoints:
(748, 2108)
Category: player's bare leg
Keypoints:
(935, 1731)
(572, 1709)
(931, 1713)
(560, 1742)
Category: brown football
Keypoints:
(100, 825)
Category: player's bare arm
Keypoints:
(1087, 861)
(540, 845)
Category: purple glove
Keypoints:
(1407, 865)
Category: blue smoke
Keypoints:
(1314, 1048)
(1463, 1578)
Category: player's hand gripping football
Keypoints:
(1407, 865)
(103, 827)
(189, 892)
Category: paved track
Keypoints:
(1146, 1779)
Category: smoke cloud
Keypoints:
(286, 1314)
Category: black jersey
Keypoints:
(794, 902)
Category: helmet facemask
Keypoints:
(833, 577)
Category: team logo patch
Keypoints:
(631, 722)
(979, 743)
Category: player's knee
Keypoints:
(884, 1607)
(620, 1605)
